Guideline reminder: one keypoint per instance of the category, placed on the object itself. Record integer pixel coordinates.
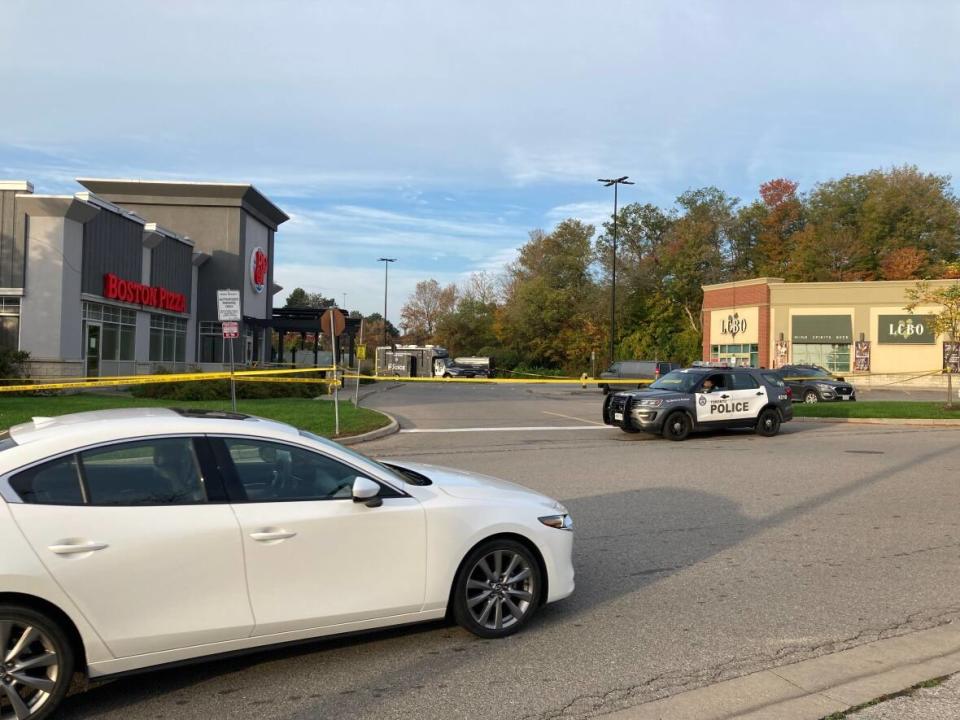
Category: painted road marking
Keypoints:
(572, 417)
(507, 429)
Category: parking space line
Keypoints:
(508, 429)
(572, 417)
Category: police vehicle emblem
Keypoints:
(702, 401)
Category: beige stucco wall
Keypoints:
(864, 302)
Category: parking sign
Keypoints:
(228, 305)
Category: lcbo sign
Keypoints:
(733, 325)
(129, 291)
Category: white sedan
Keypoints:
(136, 538)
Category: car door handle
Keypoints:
(77, 548)
(760, 393)
(724, 397)
(271, 535)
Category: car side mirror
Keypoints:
(366, 491)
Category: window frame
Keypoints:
(238, 494)
(210, 472)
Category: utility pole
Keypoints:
(386, 266)
(616, 182)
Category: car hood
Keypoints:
(473, 486)
(663, 394)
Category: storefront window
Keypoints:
(745, 355)
(832, 357)
(118, 329)
(211, 342)
(9, 323)
(168, 339)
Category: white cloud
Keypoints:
(592, 212)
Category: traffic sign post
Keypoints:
(229, 313)
(333, 323)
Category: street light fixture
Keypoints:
(616, 182)
(386, 266)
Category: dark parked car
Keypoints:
(813, 384)
(622, 372)
(699, 399)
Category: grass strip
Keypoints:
(313, 415)
(894, 409)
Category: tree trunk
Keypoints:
(949, 390)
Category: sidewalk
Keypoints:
(827, 686)
(940, 702)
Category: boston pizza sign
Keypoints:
(258, 269)
(130, 291)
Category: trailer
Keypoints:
(412, 360)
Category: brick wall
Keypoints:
(742, 296)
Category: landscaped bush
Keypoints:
(220, 390)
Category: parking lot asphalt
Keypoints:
(696, 561)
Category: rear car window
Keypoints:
(56, 482)
(743, 381)
(773, 379)
(163, 471)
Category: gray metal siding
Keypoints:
(171, 265)
(111, 244)
(11, 242)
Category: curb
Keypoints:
(942, 422)
(813, 689)
(390, 429)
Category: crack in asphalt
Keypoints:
(589, 705)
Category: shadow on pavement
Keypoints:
(625, 542)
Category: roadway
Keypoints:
(696, 561)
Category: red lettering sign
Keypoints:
(128, 291)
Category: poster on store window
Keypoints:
(951, 356)
(861, 358)
(781, 353)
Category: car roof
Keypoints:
(50, 435)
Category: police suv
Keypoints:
(703, 398)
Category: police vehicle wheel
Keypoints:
(768, 424)
(677, 426)
(810, 397)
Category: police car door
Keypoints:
(738, 396)
(749, 396)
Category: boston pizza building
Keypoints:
(121, 279)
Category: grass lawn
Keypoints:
(876, 409)
(313, 415)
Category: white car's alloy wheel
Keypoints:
(31, 668)
(498, 589)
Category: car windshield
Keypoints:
(677, 380)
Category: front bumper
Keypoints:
(620, 411)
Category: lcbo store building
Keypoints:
(846, 327)
(122, 279)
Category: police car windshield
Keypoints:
(677, 380)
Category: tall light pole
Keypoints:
(616, 182)
(386, 267)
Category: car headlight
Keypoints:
(560, 522)
(651, 402)
(824, 387)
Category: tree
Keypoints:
(945, 322)
(373, 333)
(552, 310)
(300, 298)
(424, 309)
(782, 220)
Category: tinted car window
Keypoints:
(53, 483)
(163, 471)
(773, 379)
(274, 471)
(743, 381)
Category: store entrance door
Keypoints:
(92, 352)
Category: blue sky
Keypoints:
(442, 132)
